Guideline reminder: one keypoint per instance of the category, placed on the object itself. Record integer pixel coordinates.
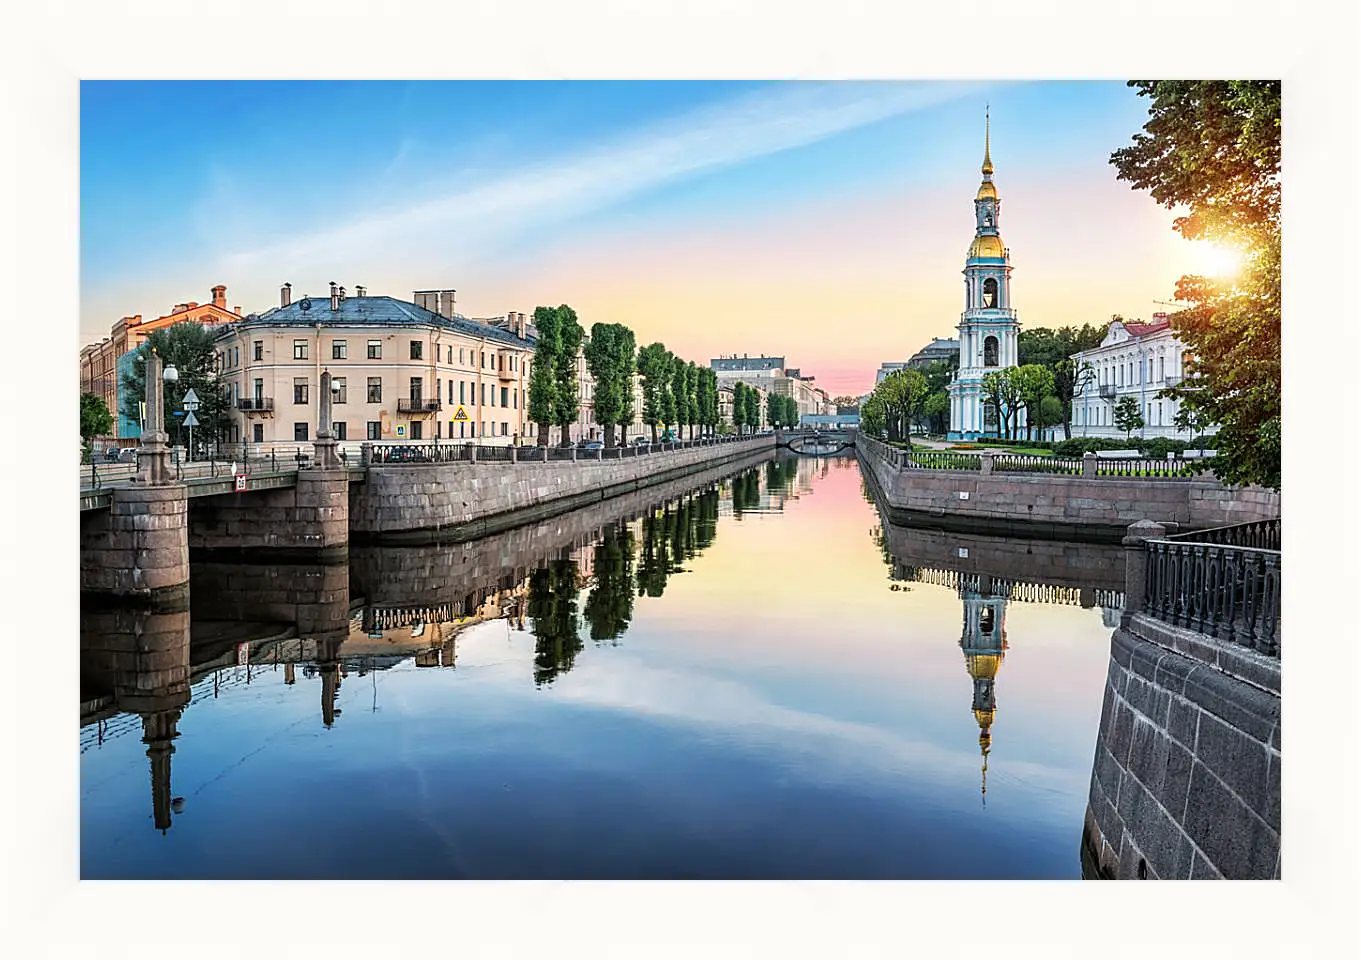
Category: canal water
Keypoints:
(742, 675)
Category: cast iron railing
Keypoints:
(1028, 463)
(417, 405)
(1262, 534)
(1229, 592)
(1145, 467)
(255, 404)
(933, 460)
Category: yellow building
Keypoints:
(401, 370)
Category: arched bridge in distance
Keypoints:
(816, 443)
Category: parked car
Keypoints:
(121, 454)
(642, 442)
(593, 445)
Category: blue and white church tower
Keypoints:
(988, 326)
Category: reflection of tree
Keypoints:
(553, 608)
(781, 474)
(610, 604)
(746, 492)
(674, 534)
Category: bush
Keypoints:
(1157, 448)
(1077, 446)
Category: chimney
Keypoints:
(358, 290)
(285, 294)
(520, 325)
(237, 310)
(335, 296)
(342, 294)
(446, 303)
(220, 297)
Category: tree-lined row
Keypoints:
(675, 392)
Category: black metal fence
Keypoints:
(1261, 534)
(1224, 591)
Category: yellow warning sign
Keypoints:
(461, 414)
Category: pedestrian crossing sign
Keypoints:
(461, 414)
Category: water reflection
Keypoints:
(817, 739)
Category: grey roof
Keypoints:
(374, 312)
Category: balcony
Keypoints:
(1107, 391)
(1172, 380)
(418, 405)
(255, 405)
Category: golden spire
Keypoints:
(987, 144)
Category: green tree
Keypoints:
(708, 404)
(900, 397)
(1035, 382)
(626, 363)
(566, 402)
(752, 401)
(608, 356)
(692, 402)
(1214, 147)
(1002, 389)
(1054, 349)
(667, 386)
(739, 406)
(654, 368)
(936, 410)
(543, 389)
(1050, 413)
(1127, 415)
(95, 421)
(191, 348)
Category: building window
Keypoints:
(299, 389)
(462, 394)
(483, 392)
(460, 355)
(451, 393)
(416, 390)
(258, 386)
(258, 432)
(415, 430)
(259, 349)
(515, 398)
(340, 349)
(338, 430)
(451, 355)
(299, 349)
(505, 428)
(338, 389)
(300, 431)
(483, 355)
(990, 352)
(505, 396)
(416, 347)
(375, 349)
(375, 389)
(375, 430)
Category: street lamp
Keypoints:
(170, 375)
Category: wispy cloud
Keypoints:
(755, 125)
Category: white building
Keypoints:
(1134, 360)
(988, 326)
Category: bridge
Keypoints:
(816, 443)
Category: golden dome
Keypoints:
(984, 665)
(988, 245)
(986, 190)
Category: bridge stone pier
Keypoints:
(139, 548)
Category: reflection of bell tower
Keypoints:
(984, 642)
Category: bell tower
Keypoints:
(988, 325)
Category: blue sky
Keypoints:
(717, 217)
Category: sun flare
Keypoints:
(1206, 258)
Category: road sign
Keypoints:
(240, 481)
(461, 414)
(190, 420)
(401, 430)
(190, 401)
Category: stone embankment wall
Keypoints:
(415, 575)
(460, 501)
(311, 519)
(1186, 782)
(1057, 506)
